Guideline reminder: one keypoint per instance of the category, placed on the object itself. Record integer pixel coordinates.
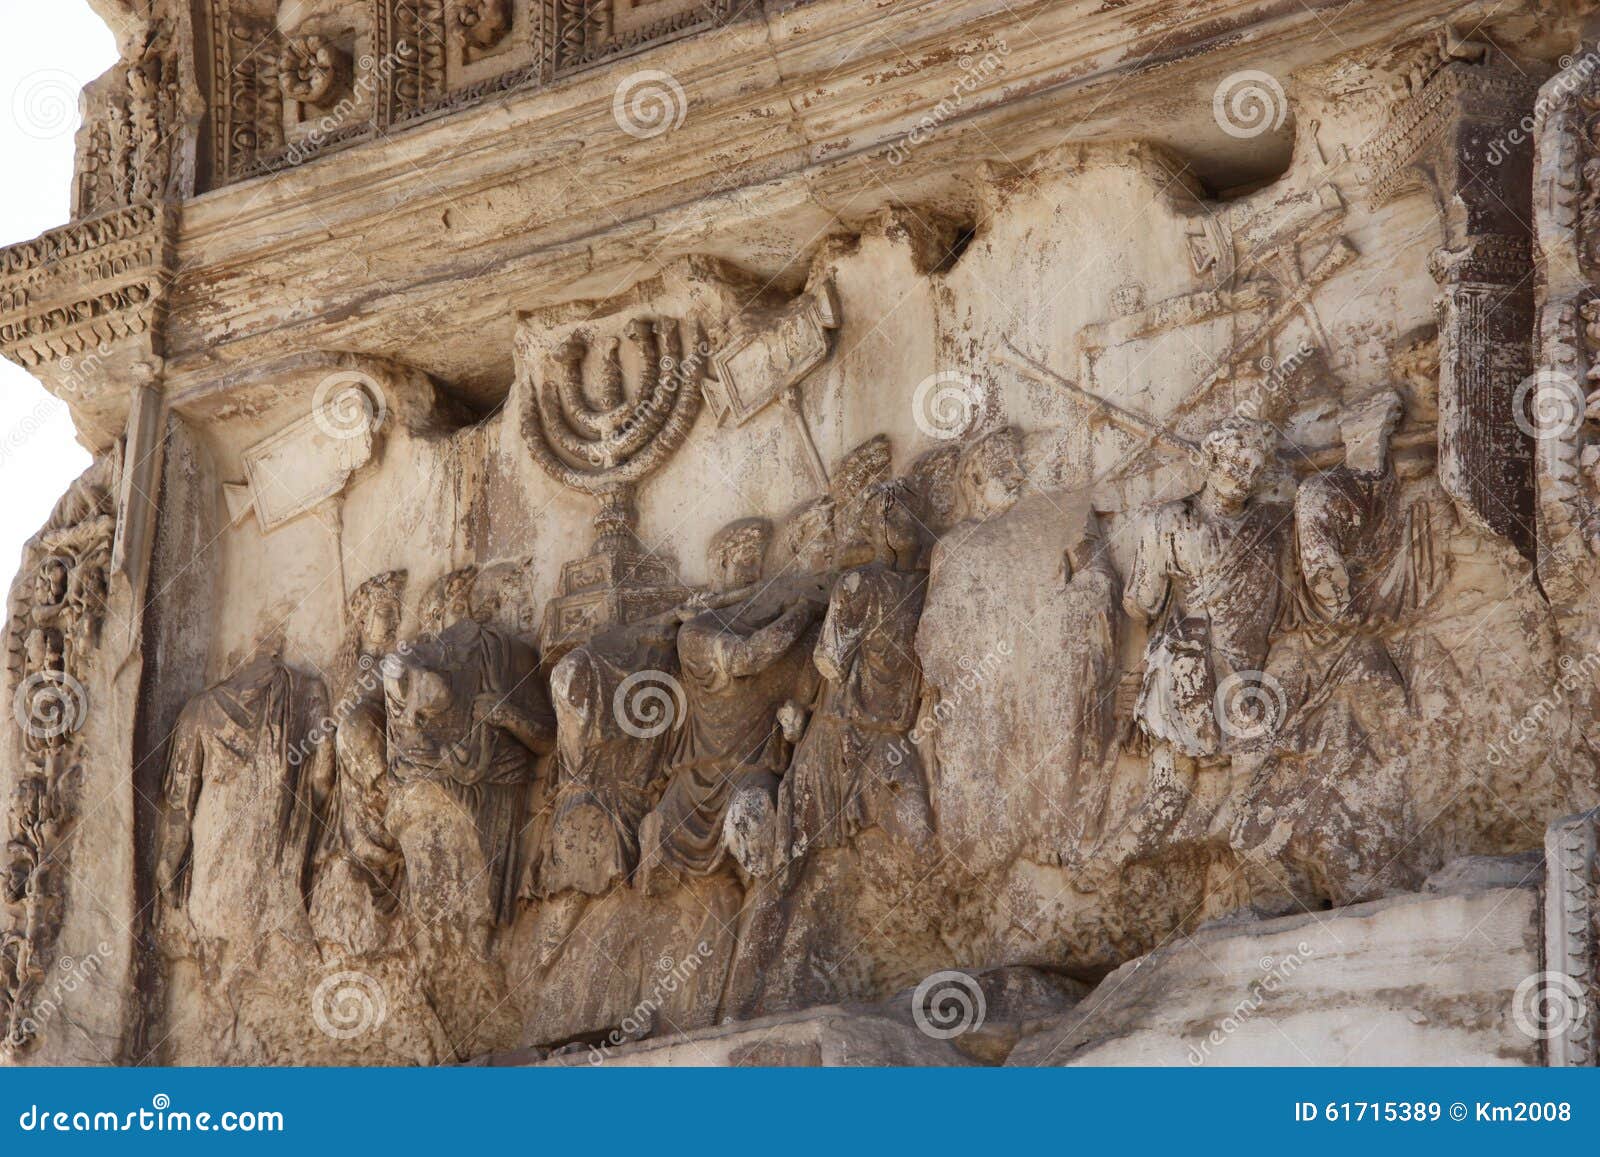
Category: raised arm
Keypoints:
(534, 729)
(758, 651)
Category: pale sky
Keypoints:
(48, 51)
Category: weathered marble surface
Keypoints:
(607, 530)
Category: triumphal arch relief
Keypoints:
(807, 532)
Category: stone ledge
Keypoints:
(1416, 979)
(1425, 978)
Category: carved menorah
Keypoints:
(589, 431)
(600, 439)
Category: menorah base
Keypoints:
(605, 589)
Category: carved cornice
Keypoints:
(788, 123)
(773, 113)
(85, 285)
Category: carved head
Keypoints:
(450, 599)
(890, 525)
(1365, 429)
(736, 553)
(497, 590)
(375, 610)
(866, 464)
(50, 582)
(1236, 452)
(808, 537)
(991, 472)
(1416, 366)
(862, 468)
(428, 720)
(423, 696)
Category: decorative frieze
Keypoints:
(129, 132)
(411, 36)
(246, 104)
(1571, 931)
(511, 684)
(425, 57)
(586, 32)
(56, 608)
(1566, 229)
